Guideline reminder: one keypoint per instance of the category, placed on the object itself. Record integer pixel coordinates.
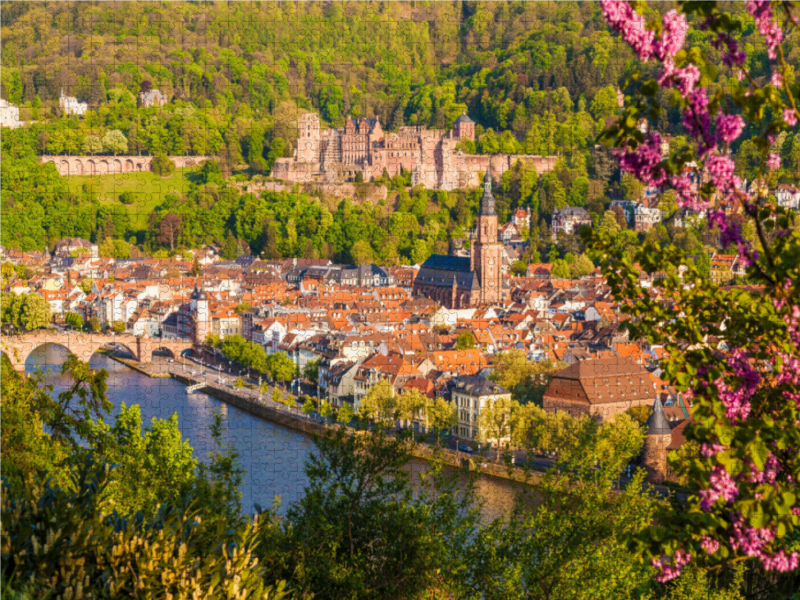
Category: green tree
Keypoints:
(308, 406)
(311, 371)
(280, 367)
(441, 415)
(92, 145)
(345, 414)
(162, 166)
(376, 544)
(114, 142)
(118, 327)
(231, 249)
(379, 403)
(465, 341)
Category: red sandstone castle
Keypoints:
(337, 155)
(460, 282)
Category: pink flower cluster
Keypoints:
(790, 116)
(770, 472)
(645, 161)
(729, 127)
(774, 162)
(751, 541)
(737, 398)
(670, 568)
(767, 25)
(710, 545)
(722, 486)
(709, 450)
(631, 25)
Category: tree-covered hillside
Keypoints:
(537, 77)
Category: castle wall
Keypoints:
(336, 155)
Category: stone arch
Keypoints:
(128, 165)
(38, 345)
(112, 345)
(78, 167)
(102, 167)
(117, 166)
(63, 168)
(163, 351)
(91, 167)
(139, 167)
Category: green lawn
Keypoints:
(149, 188)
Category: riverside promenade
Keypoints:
(250, 400)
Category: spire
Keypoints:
(657, 424)
(487, 200)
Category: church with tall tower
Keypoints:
(460, 282)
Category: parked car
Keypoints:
(463, 448)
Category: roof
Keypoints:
(602, 381)
(463, 118)
(657, 423)
(478, 385)
(440, 269)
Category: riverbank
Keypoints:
(297, 422)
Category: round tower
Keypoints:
(659, 436)
(202, 321)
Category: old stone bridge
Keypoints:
(107, 165)
(83, 345)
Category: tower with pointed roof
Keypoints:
(198, 303)
(659, 436)
(487, 252)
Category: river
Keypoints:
(272, 455)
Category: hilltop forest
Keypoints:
(537, 77)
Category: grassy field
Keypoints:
(149, 189)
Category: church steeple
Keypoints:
(487, 200)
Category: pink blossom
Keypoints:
(777, 79)
(709, 450)
(748, 539)
(684, 79)
(631, 25)
(729, 127)
(722, 486)
(710, 545)
(673, 34)
(697, 120)
(767, 26)
(790, 116)
(780, 561)
(774, 162)
(645, 161)
(670, 568)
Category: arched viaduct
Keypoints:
(83, 345)
(110, 165)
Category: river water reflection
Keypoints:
(272, 455)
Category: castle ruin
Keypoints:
(338, 155)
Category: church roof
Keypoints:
(439, 270)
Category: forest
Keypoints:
(536, 78)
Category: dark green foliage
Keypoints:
(162, 165)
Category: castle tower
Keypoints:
(308, 141)
(464, 127)
(486, 258)
(659, 436)
(202, 319)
